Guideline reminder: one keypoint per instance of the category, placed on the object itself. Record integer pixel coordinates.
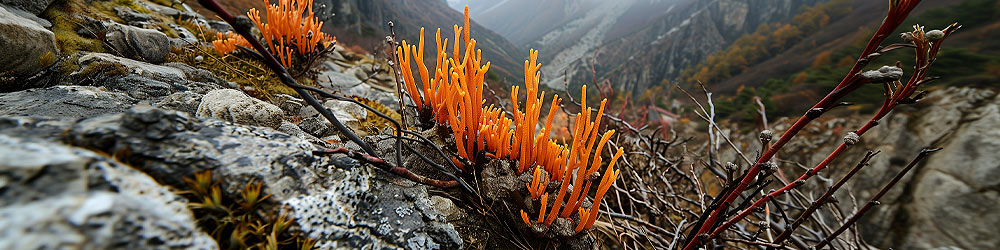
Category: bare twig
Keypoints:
(874, 201)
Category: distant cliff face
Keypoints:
(363, 23)
(641, 42)
(684, 36)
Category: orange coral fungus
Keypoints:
(537, 184)
(291, 25)
(455, 95)
(226, 43)
(562, 168)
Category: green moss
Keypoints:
(104, 68)
(128, 3)
(68, 65)
(255, 78)
(46, 59)
(6, 77)
(64, 25)
(170, 32)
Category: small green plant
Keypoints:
(240, 222)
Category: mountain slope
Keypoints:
(640, 42)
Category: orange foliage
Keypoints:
(768, 39)
(822, 59)
(801, 77)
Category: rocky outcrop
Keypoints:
(339, 202)
(57, 196)
(945, 201)
(683, 37)
(639, 42)
(951, 197)
(26, 46)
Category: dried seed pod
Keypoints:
(768, 168)
(731, 167)
(765, 136)
(934, 35)
(851, 138)
(883, 74)
(906, 36)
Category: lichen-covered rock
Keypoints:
(341, 204)
(356, 215)
(235, 106)
(25, 46)
(57, 196)
(346, 112)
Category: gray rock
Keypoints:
(955, 192)
(171, 12)
(327, 65)
(349, 85)
(139, 79)
(25, 46)
(184, 36)
(202, 76)
(57, 196)
(33, 6)
(28, 15)
(186, 101)
(220, 26)
(130, 15)
(235, 106)
(335, 55)
(290, 104)
(358, 72)
(317, 125)
(64, 102)
(143, 44)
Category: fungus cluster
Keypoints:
(454, 95)
(291, 27)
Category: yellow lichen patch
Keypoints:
(372, 123)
